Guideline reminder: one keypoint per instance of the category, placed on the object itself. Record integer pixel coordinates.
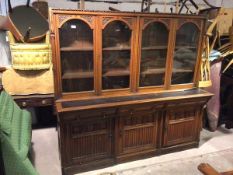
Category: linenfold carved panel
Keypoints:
(182, 113)
(181, 125)
(92, 144)
(136, 137)
(91, 138)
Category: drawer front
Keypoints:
(140, 108)
(87, 115)
(24, 103)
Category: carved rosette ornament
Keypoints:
(129, 21)
(106, 20)
(166, 22)
(62, 18)
(87, 18)
(147, 20)
(198, 24)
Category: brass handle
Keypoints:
(43, 102)
(24, 104)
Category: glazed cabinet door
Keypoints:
(186, 52)
(153, 44)
(87, 137)
(118, 44)
(76, 54)
(138, 130)
(182, 124)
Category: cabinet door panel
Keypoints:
(138, 131)
(116, 47)
(77, 56)
(89, 139)
(185, 55)
(153, 54)
(181, 125)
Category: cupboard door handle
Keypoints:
(24, 104)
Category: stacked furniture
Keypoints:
(226, 92)
(25, 23)
(15, 137)
(126, 85)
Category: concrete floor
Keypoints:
(216, 148)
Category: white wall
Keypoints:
(120, 6)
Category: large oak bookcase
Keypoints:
(125, 85)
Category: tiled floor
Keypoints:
(216, 148)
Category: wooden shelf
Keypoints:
(162, 70)
(118, 48)
(182, 70)
(154, 47)
(153, 71)
(186, 47)
(116, 73)
(78, 46)
(77, 74)
(72, 48)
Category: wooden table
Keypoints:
(39, 100)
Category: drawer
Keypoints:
(184, 104)
(34, 102)
(88, 115)
(146, 107)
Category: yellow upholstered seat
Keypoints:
(30, 56)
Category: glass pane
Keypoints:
(154, 54)
(116, 56)
(76, 43)
(185, 54)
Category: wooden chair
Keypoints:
(229, 48)
(213, 16)
(206, 169)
